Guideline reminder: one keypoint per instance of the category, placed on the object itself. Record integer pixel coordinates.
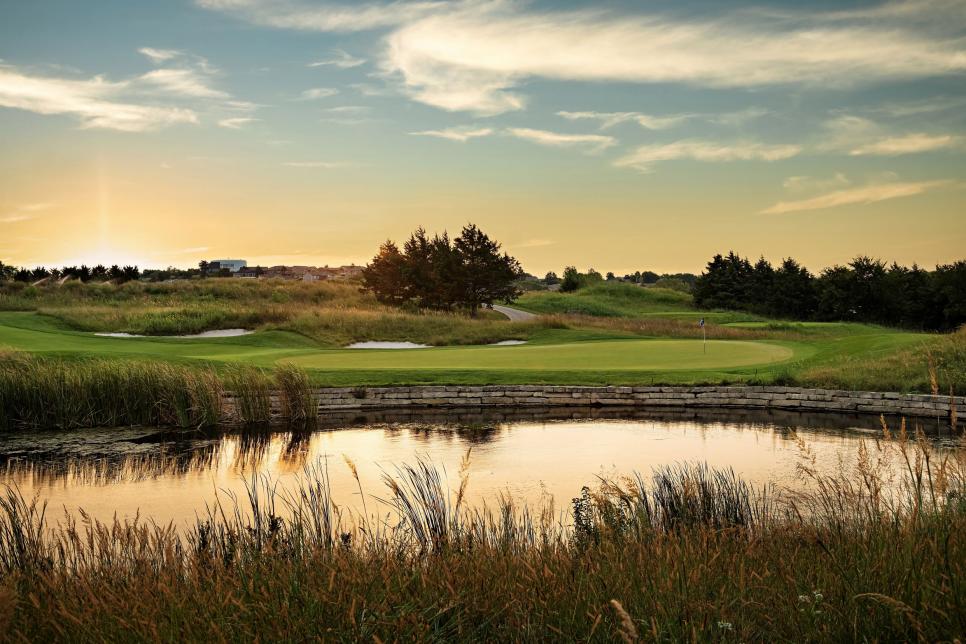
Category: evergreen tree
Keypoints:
(487, 276)
(385, 275)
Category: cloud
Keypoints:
(324, 17)
(160, 55)
(907, 144)
(319, 92)
(347, 109)
(645, 156)
(460, 134)
(339, 59)
(475, 56)
(861, 195)
(652, 122)
(535, 243)
(806, 184)
(25, 212)
(327, 165)
(610, 119)
(92, 101)
(181, 82)
(594, 142)
(236, 123)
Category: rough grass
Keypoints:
(939, 367)
(692, 554)
(330, 313)
(607, 300)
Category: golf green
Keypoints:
(38, 334)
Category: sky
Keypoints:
(622, 136)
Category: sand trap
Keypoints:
(220, 333)
(387, 345)
(508, 343)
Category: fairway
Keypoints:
(612, 355)
(34, 333)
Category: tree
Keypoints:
(203, 267)
(571, 280)
(485, 275)
(610, 277)
(436, 273)
(384, 275)
(551, 278)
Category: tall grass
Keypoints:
(695, 554)
(47, 393)
(329, 313)
(50, 393)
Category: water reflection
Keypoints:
(171, 476)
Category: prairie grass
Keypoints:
(50, 393)
(330, 313)
(693, 554)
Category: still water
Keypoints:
(531, 456)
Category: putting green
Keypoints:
(612, 355)
(35, 333)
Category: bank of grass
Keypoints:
(621, 300)
(689, 554)
(937, 367)
(295, 319)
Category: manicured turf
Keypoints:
(556, 356)
(34, 333)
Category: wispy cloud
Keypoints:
(807, 184)
(535, 243)
(860, 195)
(610, 119)
(644, 157)
(92, 101)
(591, 142)
(25, 212)
(348, 17)
(339, 59)
(460, 134)
(319, 92)
(475, 56)
(325, 165)
(182, 82)
(237, 122)
(907, 144)
(160, 55)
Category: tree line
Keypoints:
(438, 273)
(864, 290)
(84, 273)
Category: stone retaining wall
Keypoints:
(783, 398)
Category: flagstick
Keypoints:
(704, 339)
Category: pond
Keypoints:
(170, 476)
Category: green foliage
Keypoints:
(864, 291)
(468, 272)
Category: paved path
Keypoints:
(515, 315)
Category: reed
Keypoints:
(695, 554)
(252, 388)
(298, 402)
(38, 392)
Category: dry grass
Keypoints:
(852, 557)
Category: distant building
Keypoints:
(233, 265)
